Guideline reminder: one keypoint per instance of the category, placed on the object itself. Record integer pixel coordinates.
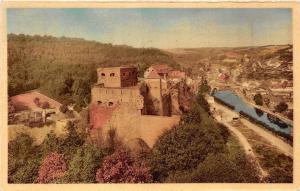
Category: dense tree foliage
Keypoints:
(25, 157)
(121, 167)
(83, 165)
(184, 147)
(23, 160)
(221, 168)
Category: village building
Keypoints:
(158, 71)
(32, 108)
(223, 77)
(165, 72)
(159, 79)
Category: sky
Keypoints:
(158, 27)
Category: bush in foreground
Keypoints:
(120, 167)
(52, 167)
(84, 164)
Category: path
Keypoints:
(246, 145)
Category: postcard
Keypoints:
(149, 96)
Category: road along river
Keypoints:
(229, 114)
(268, 120)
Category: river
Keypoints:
(239, 105)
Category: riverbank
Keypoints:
(255, 115)
(226, 114)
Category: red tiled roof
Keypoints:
(223, 77)
(153, 74)
(162, 68)
(177, 74)
(25, 101)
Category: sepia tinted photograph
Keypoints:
(149, 95)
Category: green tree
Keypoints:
(194, 115)
(84, 164)
(203, 88)
(184, 147)
(23, 159)
(258, 99)
(281, 107)
(220, 168)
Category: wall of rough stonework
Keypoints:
(112, 96)
(117, 76)
(109, 77)
(156, 89)
(175, 104)
(130, 125)
(128, 77)
(126, 120)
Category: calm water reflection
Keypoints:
(234, 100)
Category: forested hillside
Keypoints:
(65, 68)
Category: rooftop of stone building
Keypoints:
(162, 68)
(26, 101)
(116, 67)
(128, 87)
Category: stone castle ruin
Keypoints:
(119, 101)
(115, 86)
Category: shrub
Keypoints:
(220, 168)
(202, 102)
(281, 107)
(63, 108)
(203, 88)
(258, 99)
(290, 115)
(259, 112)
(52, 167)
(37, 101)
(84, 164)
(194, 115)
(121, 167)
(27, 172)
(21, 146)
(23, 159)
(45, 105)
(184, 147)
